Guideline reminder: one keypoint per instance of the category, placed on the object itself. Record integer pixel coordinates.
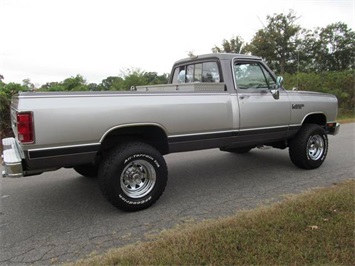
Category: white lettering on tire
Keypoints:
(134, 202)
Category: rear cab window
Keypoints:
(197, 72)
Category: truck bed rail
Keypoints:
(185, 87)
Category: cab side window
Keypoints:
(252, 76)
(199, 72)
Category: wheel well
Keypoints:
(318, 119)
(152, 135)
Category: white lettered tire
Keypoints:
(309, 148)
(133, 176)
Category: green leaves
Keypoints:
(6, 92)
(127, 78)
(335, 47)
(339, 83)
(77, 83)
(277, 42)
(234, 45)
(288, 48)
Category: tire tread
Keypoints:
(297, 146)
(120, 153)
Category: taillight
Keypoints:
(25, 130)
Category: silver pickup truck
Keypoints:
(228, 101)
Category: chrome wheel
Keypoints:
(133, 176)
(315, 147)
(138, 179)
(309, 148)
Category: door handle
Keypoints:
(243, 97)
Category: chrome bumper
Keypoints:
(12, 160)
(333, 128)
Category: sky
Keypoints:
(51, 40)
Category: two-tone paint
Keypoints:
(78, 127)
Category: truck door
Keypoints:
(261, 115)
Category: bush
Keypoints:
(6, 93)
(339, 83)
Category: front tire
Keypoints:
(309, 148)
(133, 176)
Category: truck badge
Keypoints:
(297, 106)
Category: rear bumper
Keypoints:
(333, 128)
(12, 160)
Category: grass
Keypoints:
(346, 120)
(346, 116)
(314, 228)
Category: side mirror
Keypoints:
(279, 81)
(276, 92)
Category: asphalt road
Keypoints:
(61, 216)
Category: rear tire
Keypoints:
(133, 176)
(309, 148)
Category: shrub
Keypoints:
(339, 83)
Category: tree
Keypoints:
(77, 83)
(333, 48)
(134, 77)
(52, 86)
(6, 93)
(153, 78)
(278, 42)
(234, 45)
(28, 84)
(191, 54)
(93, 87)
(111, 83)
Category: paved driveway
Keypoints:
(61, 216)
